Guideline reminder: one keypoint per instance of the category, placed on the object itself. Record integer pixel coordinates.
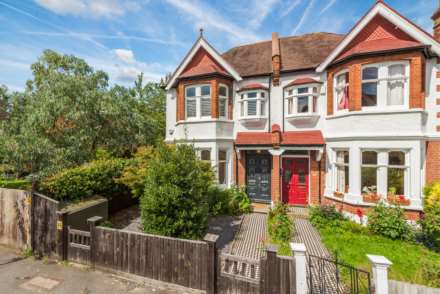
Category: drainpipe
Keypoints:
(268, 101)
(319, 180)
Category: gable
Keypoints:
(378, 35)
(202, 63)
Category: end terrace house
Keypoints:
(318, 118)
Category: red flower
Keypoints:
(401, 197)
(359, 213)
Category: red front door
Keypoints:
(295, 180)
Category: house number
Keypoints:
(59, 225)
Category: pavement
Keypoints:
(28, 275)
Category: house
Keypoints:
(318, 118)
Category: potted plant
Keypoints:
(394, 198)
(338, 194)
(370, 195)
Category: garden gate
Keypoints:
(328, 276)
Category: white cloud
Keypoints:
(125, 55)
(260, 10)
(305, 15)
(289, 8)
(205, 16)
(328, 6)
(89, 8)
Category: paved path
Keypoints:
(307, 234)
(249, 240)
(25, 276)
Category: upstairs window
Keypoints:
(253, 104)
(223, 101)
(342, 88)
(301, 100)
(198, 101)
(385, 85)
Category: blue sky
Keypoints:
(125, 37)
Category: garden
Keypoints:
(72, 136)
(414, 249)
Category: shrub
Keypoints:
(15, 184)
(232, 201)
(93, 178)
(430, 222)
(135, 171)
(431, 273)
(175, 201)
(389, 222)
(323, 215)
(280, 228)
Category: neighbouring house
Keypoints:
(318, 118)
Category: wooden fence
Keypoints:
(397, 287)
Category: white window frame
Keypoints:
(199, 153)
(382, 170)
(337, 88)
(382, 85)
(261, 104)
(292, 99)
(337, 165)
(198, 98)
(226, 162)
(223, 98)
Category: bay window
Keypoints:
(396, 172)
(342, 171)
(222, 167)
(223, 101)
(342, 88)
(198, 101)
(385, 84)
(301, 100)
(369, 169)
(253, 104)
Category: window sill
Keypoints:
(204, 120)
(376, 111)
(303, 117)
(252, 119)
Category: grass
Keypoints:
(409, 259)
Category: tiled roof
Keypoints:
(297, 52)
(298, 138)
(254, 86)
(302, 81)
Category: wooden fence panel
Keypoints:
(78, 246)
(397, 287)
(279, 274)
(44, 221)
(15, 218)
(183, 262)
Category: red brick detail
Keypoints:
(180, 106)
(276, 60)
(202, 64)
(276, 183)
(438, 128)
(438, 75)
(438, 88)
(438, 114)
(287, 138)
(378, 35)
(438, 101)
(355, 209)
(315, 180)
(241, 177)
(214, 98)
(433, 161)
(417, 82)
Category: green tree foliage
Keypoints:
(230, 201)
(430, 222)
(68, 111)
(175, 201)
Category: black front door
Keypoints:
(258, 177)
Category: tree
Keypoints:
(175, 199)
(68, 111)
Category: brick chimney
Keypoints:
(436, 18)
(276, 59)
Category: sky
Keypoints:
(126, 37)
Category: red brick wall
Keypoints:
(275, 185)
(241, 169)
(315, 179)
(432, 161)
(353, 209)
(417, 91)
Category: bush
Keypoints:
(280, 228)
(93, 178)
(430, 222)
(232, 201)
(15, 184)
(323, 215)
(431, 273)
(389, 222)
(175, 201)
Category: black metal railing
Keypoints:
(333, 276)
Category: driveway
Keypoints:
(27, 275)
